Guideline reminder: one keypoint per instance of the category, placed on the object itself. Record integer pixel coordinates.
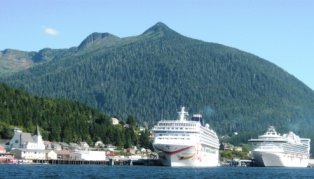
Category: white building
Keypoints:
(28, 154)
(84, 146)
(114, 121)
(25, 146)
(23, 140)
(56, 146)
(88, 155)
(99, 144)
(50, 154)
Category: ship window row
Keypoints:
(177, 132)
(207, 140)
(211, 143)
(174, 138)
(182, 135)
(208, 150)
(211, 146)
(296, 151)
(173, 135)
(295, 148)
(287, 149)
(174, 128)
(210, 134)
(176, 124)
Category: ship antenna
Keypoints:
(183, 114)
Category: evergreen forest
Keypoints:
(64, 121)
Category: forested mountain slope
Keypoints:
(151, 75)
(62, 120)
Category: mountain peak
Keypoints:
(98, 38)
(159, 26)
(159, 29)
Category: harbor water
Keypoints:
(102, 171)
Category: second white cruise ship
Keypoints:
(275, 150)
(186, 142)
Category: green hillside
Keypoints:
(62, 120)
(151, 75)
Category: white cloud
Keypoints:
(51, 31)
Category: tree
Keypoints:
(144, 140)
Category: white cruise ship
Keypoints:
(275, 150)
(184, 142)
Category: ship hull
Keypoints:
(269, 159)
(187, 155)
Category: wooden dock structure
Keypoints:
(110, 162)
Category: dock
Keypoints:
(110, 162)
(71, 162)
(311, 163)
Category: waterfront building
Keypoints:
(64, 146)
(2, 149)
(74, 146)
(56, 146)
(99, 144)
(84, 146)
(25, 146)
(7, 158)
(29, 154)
(51, 155)
(88, 155)
(63, 154)
(23, 140)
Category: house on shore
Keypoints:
(63, 154)
(29, 154)
(6, 157)
(2, 149)
(51, 155)
(23, 140)
(88, 155)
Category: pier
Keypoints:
(237, 163)
(311, 163)
(110, 162)
(70, 162)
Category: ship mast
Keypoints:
(183, 114)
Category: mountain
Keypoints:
(97, 39)
(12, 61)
(151, 75)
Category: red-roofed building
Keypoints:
(2, 149)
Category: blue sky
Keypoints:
(280, 31)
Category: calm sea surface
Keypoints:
(100, 171)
